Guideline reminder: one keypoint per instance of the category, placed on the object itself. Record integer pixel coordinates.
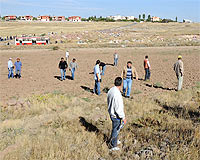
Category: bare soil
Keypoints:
(40, 68)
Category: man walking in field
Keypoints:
(97, 78)
(178, 68)
(63, 66)
(116, 59)
(72, 67)
(147, 68)
(18, 67)
(10, 68)
(116, 112)
(67, 56)
(127, 74)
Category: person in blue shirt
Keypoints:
(97, 78)
(18, 67)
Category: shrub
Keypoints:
(55, 48)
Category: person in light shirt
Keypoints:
(116, 112)
(97, 78)
(67, 56)
(10, 68)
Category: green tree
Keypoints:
(149, 18)
(143, 16)
(140, 17)
(176, 19)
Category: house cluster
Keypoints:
(43, 18)
(119, 17)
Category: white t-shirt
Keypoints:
(67, 54)
(115, 55)
(115, 103)
(10, 64)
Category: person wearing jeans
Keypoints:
(115, 59)
(72, 67)
(127, 84)
(63, 66)
(127, 74)
(18, 67)
(97, 78)
(10, 68)
(178, 68)
(147, 68)
(116, 112)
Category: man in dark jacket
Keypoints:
(63, 66)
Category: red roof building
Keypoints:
(58, 18)
(43, 18)
(8, 18)
(27, 18)
(75, 19)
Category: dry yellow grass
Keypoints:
(58, 126)
(19, 28)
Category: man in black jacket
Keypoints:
(63, 66)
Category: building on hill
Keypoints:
(75, 19)
(187, 21)
(11, 18)
(155, 19)
(130, 18)
(26, 18)
(58, 18)
(43, 18)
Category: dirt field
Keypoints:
(41, 66)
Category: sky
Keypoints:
(183, 9)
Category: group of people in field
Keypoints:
(122, 86)
(115, 100)
(63, 65)
(17, 66)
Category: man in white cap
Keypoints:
(178, 68)
(10, 68)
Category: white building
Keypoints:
(187, 21)
(130, 17)
(155, 19)
(26, 18)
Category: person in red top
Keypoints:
(147, 68)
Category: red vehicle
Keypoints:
(31, 40)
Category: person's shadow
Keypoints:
(67, 77)
(87, 89)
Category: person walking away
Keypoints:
(116, 59)
(97, 78)
(63, 66)
(178, 68)
(127, 74)
(67, 56)
(116, 112)
(18, 67)
(72, 67)
(147, 68)
(10, 68)
(103, 65)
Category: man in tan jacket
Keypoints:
(127, 74)
(178, 68)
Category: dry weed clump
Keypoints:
(56, 126)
